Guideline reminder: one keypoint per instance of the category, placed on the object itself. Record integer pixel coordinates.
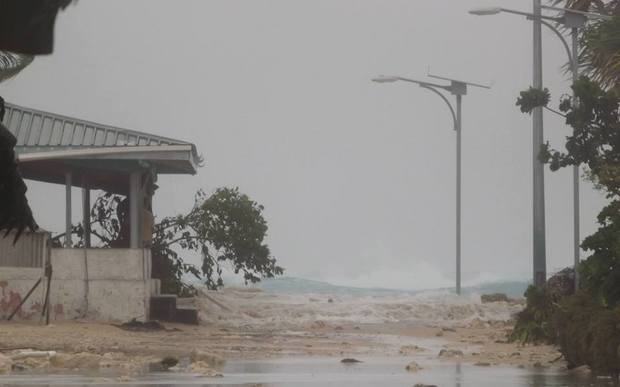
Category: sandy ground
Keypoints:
(471, 340)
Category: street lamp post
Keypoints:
(573, 20)
(458, 89)
(539, 243)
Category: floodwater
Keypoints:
(383, 372)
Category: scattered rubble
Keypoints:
(450, 353)
(6, 364)
(204, 369)
(81, 360)
(211, 360)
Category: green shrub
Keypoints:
(588, 333)
(534, 323)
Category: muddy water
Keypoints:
(383, 372)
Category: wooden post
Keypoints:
(68, 226)
(86, 211)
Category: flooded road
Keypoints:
(382, 372)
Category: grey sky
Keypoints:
(357, 178)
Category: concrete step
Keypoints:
(163, 307)
(186, 316)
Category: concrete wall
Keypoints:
(95, 284)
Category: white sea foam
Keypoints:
(253, 307)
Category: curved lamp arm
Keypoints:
(434, 90)
(562, 39)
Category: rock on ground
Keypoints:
(449, 353)
(413, 367)
(204, 368)
(410, 350)
(213, 361)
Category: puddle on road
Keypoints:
(383, 372)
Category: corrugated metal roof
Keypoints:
(37, 130)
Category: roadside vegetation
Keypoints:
(585, 323)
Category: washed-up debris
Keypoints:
(139, 326)
(350, 361)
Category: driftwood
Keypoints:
(46, 307)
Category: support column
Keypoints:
(135, 209)
(86, 211)
(68, 227)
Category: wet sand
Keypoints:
(478, 344)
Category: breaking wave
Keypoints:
(251, 307)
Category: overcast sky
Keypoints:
(357, 178)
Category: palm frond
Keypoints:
(12, 63)
(600, 54)
(607, 7)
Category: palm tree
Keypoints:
(600, 41)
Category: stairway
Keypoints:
(164, 308)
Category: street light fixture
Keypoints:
(484, 11)
(574, 20)
(458, 89)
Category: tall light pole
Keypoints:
(573, 20)
(458, 89)
(539, 248)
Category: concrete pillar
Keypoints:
(68, 227)
(135, 210)
(86, 211)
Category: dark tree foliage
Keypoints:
(26, 29)
(15, 212)
(227, 229)
(532, 98)
(588, 333)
